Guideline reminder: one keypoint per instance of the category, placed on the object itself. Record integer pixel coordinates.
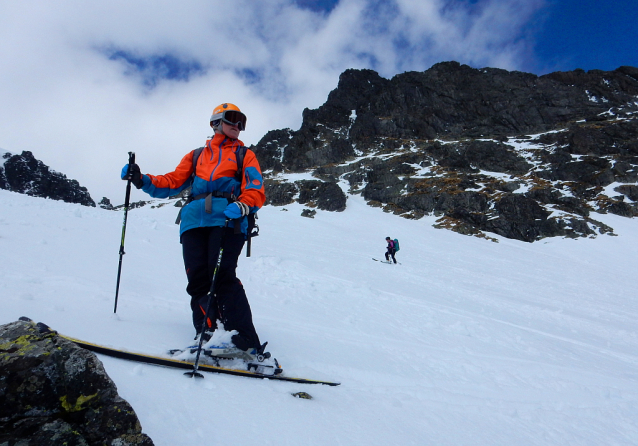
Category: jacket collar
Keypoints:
(220, 138)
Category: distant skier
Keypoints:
(218, 195)
(391, 250)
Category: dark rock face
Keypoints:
(272, 146)
(327, 196)
(455, 142)
(55, 393)
(280, 194)
(26, 175)
(630, 191)
(479, 155)
(322, 195)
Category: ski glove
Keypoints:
(136, 175)
(236, 210)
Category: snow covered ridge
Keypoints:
(526, 188)
(487, 151)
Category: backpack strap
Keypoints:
(196, 153)
(239, 157)
(253, 228)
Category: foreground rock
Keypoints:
(55, 393)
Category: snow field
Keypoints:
(468, 342)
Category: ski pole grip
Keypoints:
(131, 161)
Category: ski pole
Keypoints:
(129, 178)
(194, 373)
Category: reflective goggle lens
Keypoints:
(233, 117)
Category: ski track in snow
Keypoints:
(468, 342)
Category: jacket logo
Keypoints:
(232, 160)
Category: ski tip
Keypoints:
(40, 326)
(44, 328)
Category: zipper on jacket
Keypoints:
(219, 160)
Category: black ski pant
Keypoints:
(389, 253)
(200, 247)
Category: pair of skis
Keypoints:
(384, 261)
(255, 369)
(253, 372)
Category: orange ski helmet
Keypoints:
(228, 113)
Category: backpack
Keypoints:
(396, 245)
(253, 228)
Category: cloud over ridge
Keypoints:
(104, 78)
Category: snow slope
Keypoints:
(467, 342)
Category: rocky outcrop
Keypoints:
(27, 175)
(55, 393)
(486, 150)
(322, 195)
(105, 203)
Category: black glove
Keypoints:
(134, 174)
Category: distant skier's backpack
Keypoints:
(396, 245)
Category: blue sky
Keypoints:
(587, 34)
(567, 34)
(82, 83)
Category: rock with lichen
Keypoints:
(56, 393)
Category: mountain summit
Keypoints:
(487, 150)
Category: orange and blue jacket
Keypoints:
(216, 169)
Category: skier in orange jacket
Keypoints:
(218, 196)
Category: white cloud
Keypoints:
(80, 113)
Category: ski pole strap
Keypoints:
(208, 204)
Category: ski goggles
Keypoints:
(233, 117)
